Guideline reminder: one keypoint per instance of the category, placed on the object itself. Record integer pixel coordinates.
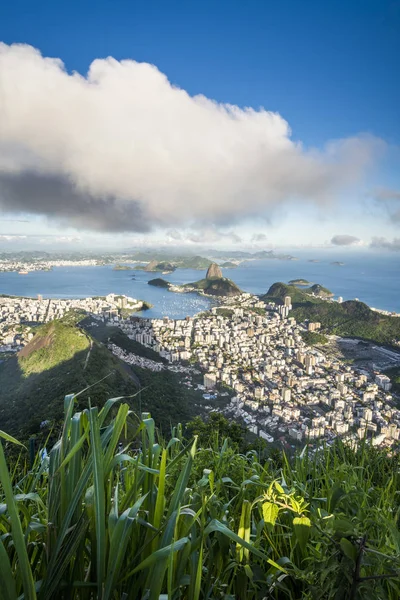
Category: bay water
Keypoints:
(373, 278)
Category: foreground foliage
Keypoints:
(114, 512)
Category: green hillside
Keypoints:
(320, 290)
(228, 265)
(192, 262)
(279, 290)
(192, 519)
(54, 343)
(63, 357)
(351, 318)
(56, 362)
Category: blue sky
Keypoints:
(330, 69)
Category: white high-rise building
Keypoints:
(210, 380)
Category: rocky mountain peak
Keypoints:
(214, 272)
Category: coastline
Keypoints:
(380, 293)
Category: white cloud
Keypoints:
(204, 235)
(124, 150)
(11, 238)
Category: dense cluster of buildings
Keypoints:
(24, 267)
(279, 387)
(283, 389)
(18, 316)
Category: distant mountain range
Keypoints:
(239, 254)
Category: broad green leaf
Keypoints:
(270, 513)
(348, 549)
(302, 529)
(335, 496)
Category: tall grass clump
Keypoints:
(115, 512)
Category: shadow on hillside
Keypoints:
(27, 401)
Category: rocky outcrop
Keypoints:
(159, 282)
(214, 272)
(222, 287)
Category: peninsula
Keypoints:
(215, 284)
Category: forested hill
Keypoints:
(351, 318)
(64, 357)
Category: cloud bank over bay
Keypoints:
(123, 149)
(345, 240)
(385, 244)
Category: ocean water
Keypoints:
(371, 277)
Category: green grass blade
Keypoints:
(160, 502)
(182, 481)
(10, 438)
(100, 517)
(8, 590)
(161, 554)
(18, 536)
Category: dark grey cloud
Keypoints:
(174, 234)
(345, 240)
(15, 220)
(386, 194)
(383, 243)
(58, 198)
(390, 199)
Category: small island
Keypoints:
(228, 265)
(300, 282)
(123, 268)
(159, 282)
(337, 263)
